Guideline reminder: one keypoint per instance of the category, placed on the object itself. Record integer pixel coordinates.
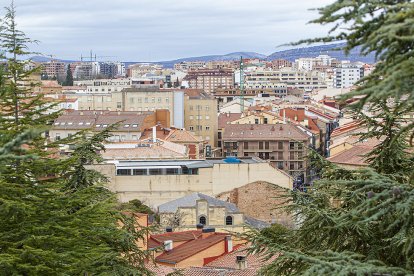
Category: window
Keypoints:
(139, 172)
(172, 171)
(199, 127)
(167, 100)
(291, 166)
(159, 100)
(300, 146)
(229, 220)
(291, 145)
(260, 145)
(146, 100)
(134, 137)
(207, 128)
(131, 100)
(267, 145)
(57, 137)
(123, 172)
(207, 108)
(246, 145)
(155, 171)
(280, 155)
(191, 117)
(191, 128)
(139, 100)
(256, 121)
(191, 107)
(280, 145)
(153, 99)
(265, 121)
(118, 105)
(202, 220)
(207, 117)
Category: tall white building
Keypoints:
(347, 74)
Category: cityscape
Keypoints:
(297, 162)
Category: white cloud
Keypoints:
(164, 29)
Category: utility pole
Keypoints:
(241, 85)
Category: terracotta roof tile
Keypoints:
(263, 131)
(353, 156)
(180, 135)
(225, 118)
(190, 248)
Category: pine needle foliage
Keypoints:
(359, 222)
(57, 218)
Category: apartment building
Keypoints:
(279, 63)
(131, 124)
(347, 74)
(189, 65)
(150, 98)
(307, 80)
(210, 79)
(225, 95)
(283, 145)
(54, 69)
(200, 115)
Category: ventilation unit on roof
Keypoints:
(168, 245)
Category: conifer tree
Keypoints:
(360, 222)
(57, 218)
(69, 77)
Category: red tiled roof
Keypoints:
(353, 156)
(225, 118)
(176, 236)
(345, 128)
(180, 135)
(190, 248)
(263, 131)
(322, 114)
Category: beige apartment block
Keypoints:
(129, 99)
(210, 79)
(200, 115)
(158, 182)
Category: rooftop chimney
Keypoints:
(154, 134)
(168, 245)
(228, 244)
(206, 232)
(200, 226)
(241, 262)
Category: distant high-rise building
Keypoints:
(347, 74)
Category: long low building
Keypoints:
(158, 182)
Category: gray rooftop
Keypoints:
(186, 163)
(191, 200)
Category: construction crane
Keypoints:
(93, 58)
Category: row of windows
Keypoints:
(157, 171)
(199, 128)
(199, 117)
(228, 220)
(199, 107)
(146, 100)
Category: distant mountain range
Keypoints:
(291, 55)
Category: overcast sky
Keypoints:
(155, 30)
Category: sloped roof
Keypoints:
(225, 118)
(190, 248)
(181, 135)
(228, 261)
(353, 156)
(263, 131)
(191, 200)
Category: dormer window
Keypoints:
(57, 123)
(134, 125)
(126, 125)
(80, 123)
(98, 125)
(105, 125)
(70, 123)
